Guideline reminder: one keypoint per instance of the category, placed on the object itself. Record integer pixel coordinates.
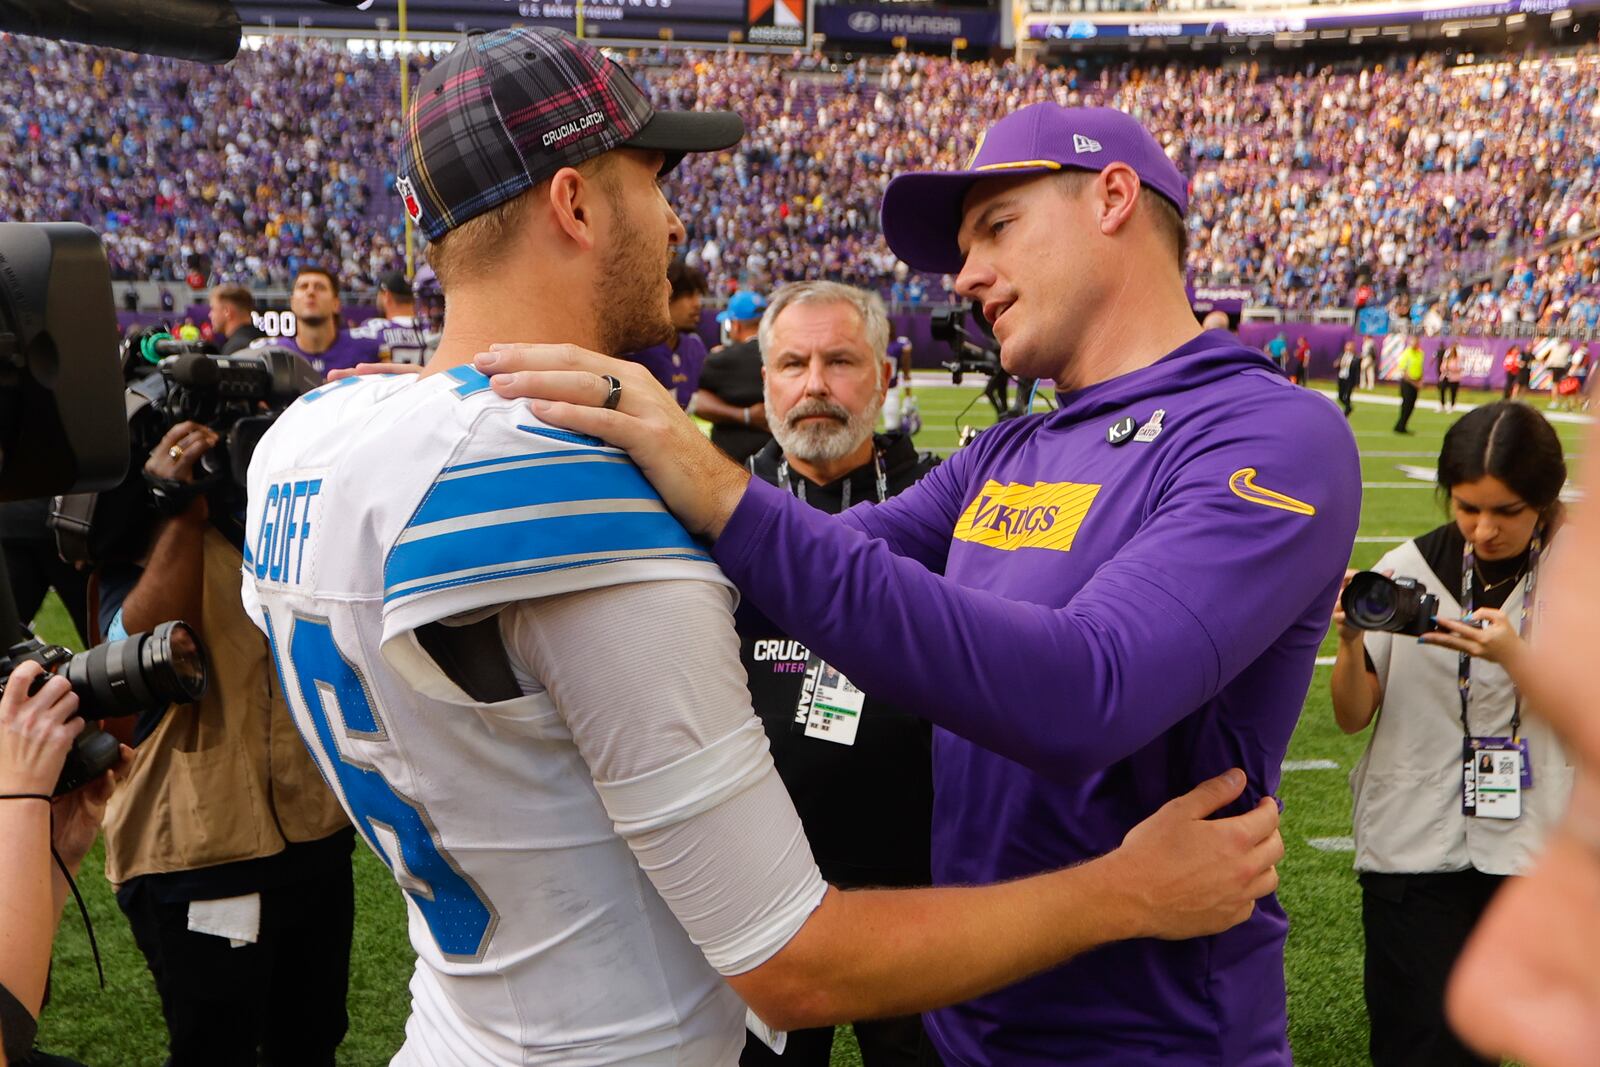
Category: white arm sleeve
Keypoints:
(648, 679)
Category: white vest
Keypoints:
(1407, 785)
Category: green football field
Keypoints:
(122, 1026)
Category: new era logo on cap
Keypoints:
(1083, 145)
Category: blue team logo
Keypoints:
(1082, 30)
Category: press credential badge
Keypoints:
(830, 706)
(1491, 778)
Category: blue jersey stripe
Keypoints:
(527, 455)
(541, 568)
(542, 483)
(534, 540)
(561, 435)
(472, 380)
(323, 390)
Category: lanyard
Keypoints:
(799, 488)
(1464, 666)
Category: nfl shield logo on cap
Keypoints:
(408, 196)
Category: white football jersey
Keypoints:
(380, 504)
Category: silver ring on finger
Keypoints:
(614, 393)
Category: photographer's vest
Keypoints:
(1407, 785)
(228, 779)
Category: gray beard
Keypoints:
(824, 442)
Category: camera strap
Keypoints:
(1464, 665)
(83, 910)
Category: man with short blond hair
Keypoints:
(232, 326)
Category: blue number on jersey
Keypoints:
(455, 909)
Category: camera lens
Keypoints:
(1370, 601)
(175, 661)
(141, 672)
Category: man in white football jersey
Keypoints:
(520, 674)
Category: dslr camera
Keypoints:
(139, 673)
(1390, 605)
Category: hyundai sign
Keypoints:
(885, 22)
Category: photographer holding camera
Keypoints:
(230, 855)
(1457, 788)
(38, 722)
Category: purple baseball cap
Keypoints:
(922, 211)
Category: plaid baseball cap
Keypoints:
(505, 110)
(922, 211)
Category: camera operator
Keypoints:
(232, 328)
(314, 299)
(230, 856)
(37, 726)
(863, 784)
(1427, 868)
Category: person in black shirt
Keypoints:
(231, 325)
(860, 775)
(730, 395)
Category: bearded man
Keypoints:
(860, 771)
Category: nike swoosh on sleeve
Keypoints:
(1243, 484)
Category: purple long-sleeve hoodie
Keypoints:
(1094, 628)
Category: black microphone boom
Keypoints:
(206, 31)
(203, 30)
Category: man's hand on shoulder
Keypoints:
(568, 387)
(1186, 875)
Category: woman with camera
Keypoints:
(37, 725)
(1438, 826)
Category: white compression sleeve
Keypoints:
(648, 679)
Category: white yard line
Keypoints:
(1332, 844)
(1432, 407)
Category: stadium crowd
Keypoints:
(242, 172)
(1294, 191)
(1315, 188)
(1290, 193)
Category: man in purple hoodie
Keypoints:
(1105, 604)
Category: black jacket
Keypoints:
(868, 807)
(241, 338)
